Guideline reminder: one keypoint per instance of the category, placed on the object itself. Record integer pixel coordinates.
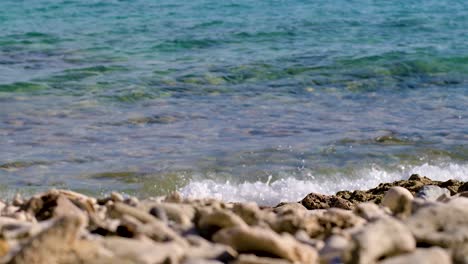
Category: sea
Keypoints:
(246, 100)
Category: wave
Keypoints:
(292, 189)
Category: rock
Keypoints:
(117, 210)
(384, 237)
(460, 253)
(444, 225)
(334, 249)
(200, 261)
(174, 197)
(432, 192)
(116, 197)
(202, 249)
(142, 251)
(262, 240)
(252, 214)
(303, 237)
(151, 226)
(181, 214)
(370, 211)
(434, 255)
(43, 205)
(252, 259)
(292, 223)
(463, 187)
(213, 220)
(320, 201)
(287, 208)
(398, 200)
(65, 207)
(413, 184)
(337, 221)
(53, 245)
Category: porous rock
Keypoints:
(262, 240)
(434, 255)
(211, 221)
(336, 221)
(334, 249)
(370, 211)
(384, 237)
(252, 259)
(398, 200)
(142, 251)
(444, 225)
(321, 201)
(53, 245)
(252, 214)
(292, 223)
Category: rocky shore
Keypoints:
(410, 221)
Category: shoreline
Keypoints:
(406, 221)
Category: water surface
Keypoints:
(244, 100)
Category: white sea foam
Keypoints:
(291, 189)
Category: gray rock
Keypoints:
(432, 192)
(434, 255)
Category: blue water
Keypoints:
(214, 97)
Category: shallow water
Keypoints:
(246, 100)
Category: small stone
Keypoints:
(320, 201)
(398, 200)
(432, 192)
(434, 255)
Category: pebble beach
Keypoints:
(417, 220)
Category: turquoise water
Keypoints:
(214, 97)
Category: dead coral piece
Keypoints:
(398, 200)
(252, 259)
(384, 237)
(265, 241)
(444, 225)
(434, 255)
(53, 245)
